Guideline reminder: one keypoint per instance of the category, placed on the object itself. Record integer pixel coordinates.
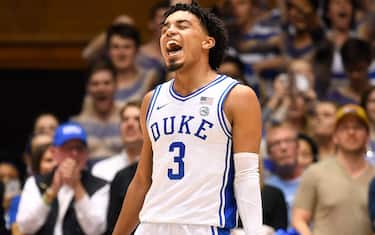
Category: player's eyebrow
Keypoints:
(167, 23)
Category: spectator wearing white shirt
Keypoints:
(69, 200)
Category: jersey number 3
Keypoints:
(179, 148)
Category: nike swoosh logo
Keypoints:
(161, 106)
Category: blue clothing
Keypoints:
(288, 187)
(11, 214)
(371, 203)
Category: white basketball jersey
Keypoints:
(193, 168)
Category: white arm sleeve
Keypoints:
(247, 191)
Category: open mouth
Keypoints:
(173, 48)
(101, 97)
(343, 15)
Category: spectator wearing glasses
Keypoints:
(282, 146)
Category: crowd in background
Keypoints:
(311, 64)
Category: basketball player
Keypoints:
(202, 132)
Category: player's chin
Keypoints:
(174, 66)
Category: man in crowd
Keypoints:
(69, 200)
(333, 193)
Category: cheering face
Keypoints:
(340, 13)
(74, 149)
(102, 87)
(182, 40)
(122, 52)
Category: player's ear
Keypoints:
(208, 43)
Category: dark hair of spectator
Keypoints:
(235, 60)
(164, 4)
(312, 144)
(212, 24)
(132, 103)
(124, 31)
(365, 96)
(100, 64)
(313, 3)
(355, 51)
(36, 157)
(326, 19)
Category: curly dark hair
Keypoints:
(212, 24)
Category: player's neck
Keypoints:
(189, 80)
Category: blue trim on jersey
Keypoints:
(152, 102)
(230, 209)
(219, 231)
(227, 208)
(197, 92)
(223, 231)
(220, 109)
(213, 230)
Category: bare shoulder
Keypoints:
(241, 99)
(242, 92)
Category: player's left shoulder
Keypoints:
(242, 94)
(241, 101)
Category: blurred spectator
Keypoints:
(45, 124)
(122, 42)
(356, 57)
(42, 158)
(149, 56)
(293, 96)
(366, 27)
(276, 106)
(368, 103)
(12, 176)
(132, 140)
(43, 130)
(275, 214)
(69, 200)
(303, 29)
(339, 18)
(233, 67)
(96, 47)
(251, 40)
(121, 168)
(282, 146)
(100, 117)
(307, 151)
(3, 229)
(322, 127)
(325, 196)
(33, 142)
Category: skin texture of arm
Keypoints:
(129, 215)
(300, 221)
(243, 111)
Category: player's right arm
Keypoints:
(129, 215)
